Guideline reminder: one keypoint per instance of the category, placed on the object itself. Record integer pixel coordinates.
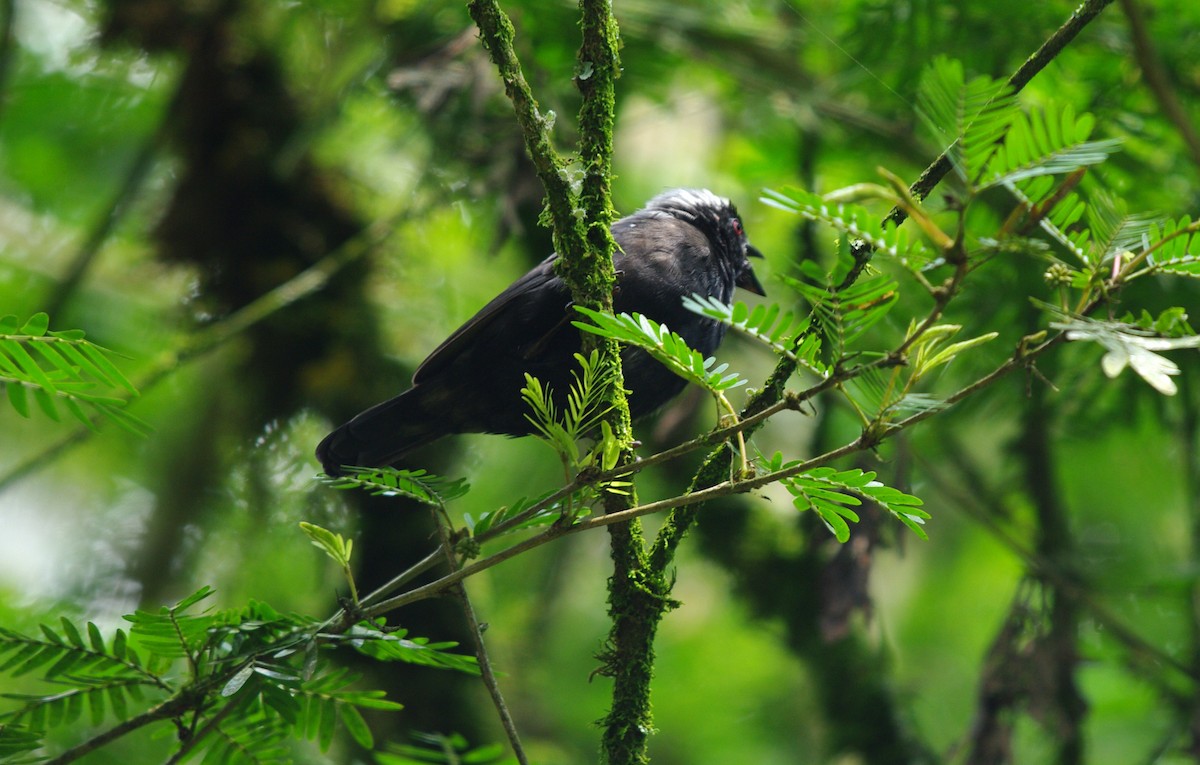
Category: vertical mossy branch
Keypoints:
(579, 222)
(584, 242)
(636, 599)
(591, 277)
(497, 34)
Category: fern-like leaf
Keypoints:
(72, 373)
(1114, 230)
(1047, 141)
(490, 520)
(782, 331)
(843, 316)
(16, 741)
(328, 698)
(854, 221)
(585, 407)
(832, 494)
(67, 653)
(449, 749)
(252, 735)
(1173, 243)
(424, 487)
(171, 632)
(396, 646)
(969, 117)
(665, 346)
(92, 694)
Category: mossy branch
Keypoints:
(583, 239)
(497, 35)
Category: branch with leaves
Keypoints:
(235, 684)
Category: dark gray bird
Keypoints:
(683, 242)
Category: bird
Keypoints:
(683, 242)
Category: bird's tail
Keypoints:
(382, 434)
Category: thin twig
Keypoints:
(1158, 80)
(170, 708)
(403, 578)
(497, 34)
(446, 547)
(197, 737)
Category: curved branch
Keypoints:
(497, 34)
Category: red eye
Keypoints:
(737, 226)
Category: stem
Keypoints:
(1129, 270)
(446, 545)
(172, 707)
(197, 737)
(497, 34)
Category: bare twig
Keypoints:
(446, 545)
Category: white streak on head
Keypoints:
(687, 201)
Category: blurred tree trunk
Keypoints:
(250, 211)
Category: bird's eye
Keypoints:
(737, 226)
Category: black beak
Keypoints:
(747, 280)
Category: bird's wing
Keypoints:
(537, 303)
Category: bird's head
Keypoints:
(718, 219)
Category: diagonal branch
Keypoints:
(1083, 15)
(497, 34)
(1157, 78)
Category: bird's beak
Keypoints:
(747, 280)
